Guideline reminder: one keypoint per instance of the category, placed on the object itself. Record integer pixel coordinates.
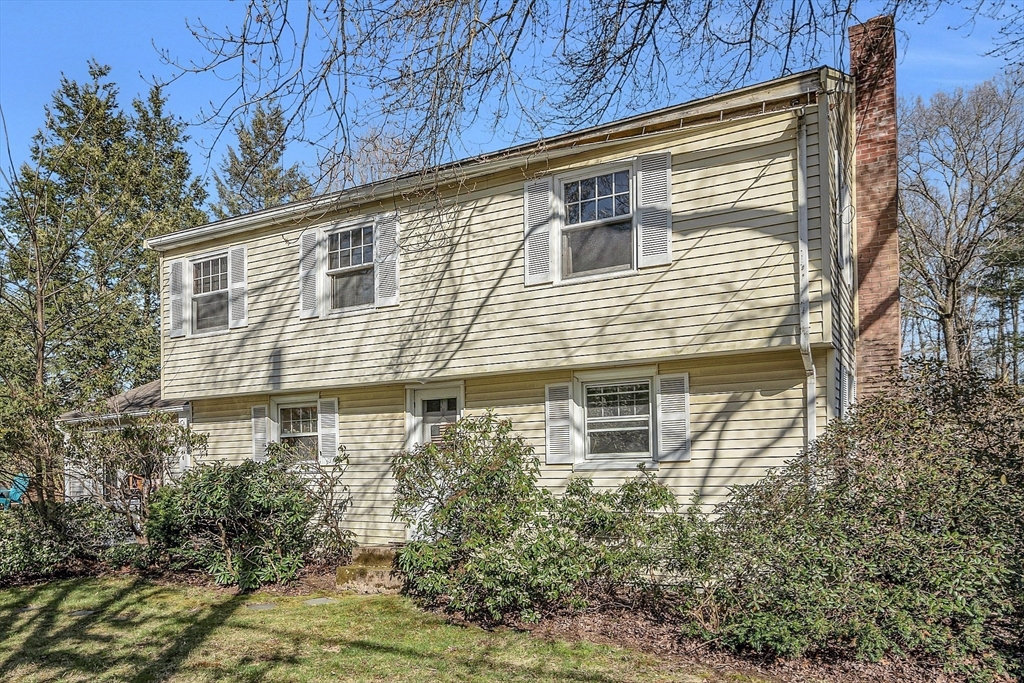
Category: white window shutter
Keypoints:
(537, 228)
(260, 432)
(327, 414)
(654, 209)
(385, 265)
(673, 396)
(177, 313)
(308, 275)
(238, 313)
(558, 421)
(844, 391)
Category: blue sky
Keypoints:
(41, 39)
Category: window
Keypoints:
(438, 414)
(299, 428)
(597, 236)
(210, 294)
(350, 267)
(618, 420)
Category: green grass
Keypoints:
(142, 631)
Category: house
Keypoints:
(697, 289)
(134, 403)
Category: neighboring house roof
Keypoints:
(137, 401)
(747, 101)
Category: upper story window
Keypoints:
(597, 235)
(210, 294)
(614, 218)
(350, 267)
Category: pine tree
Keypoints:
(254, 177)
(79, 311)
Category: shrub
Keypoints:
(899, 533)
(32, 547)
(495, 546)
(249, 524)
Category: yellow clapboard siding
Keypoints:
(733, 199)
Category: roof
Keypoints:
(716, 107)
(137, 401)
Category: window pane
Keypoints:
(587, 188)
(352, 289)
(574, 214)
(588, 211)
(604, 207)
(622, 205)
(572, 192)
(622, 182)
(636, 442)
(210, 312)
(298, 421)
(306, 445)
(603, 248)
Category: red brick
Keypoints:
(873, 65)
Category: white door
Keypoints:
(434, 410)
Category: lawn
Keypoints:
(143, 631)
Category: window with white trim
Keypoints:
(597, 233)
(300, 428)
(350, 270)
(610, 219)
(352, 265)
(210, 294)
(617, 420)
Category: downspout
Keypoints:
(810, 391)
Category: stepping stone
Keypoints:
(83, 612)
(320, 601)
(260, 606)
(29, 608)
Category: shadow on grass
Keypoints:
(55, 644)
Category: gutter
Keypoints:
(109, 417)
(810, 392)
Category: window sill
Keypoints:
(207, 333)
(614, 465)
(342, 312)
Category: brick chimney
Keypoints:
(873, 66)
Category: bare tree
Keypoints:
(961, 157)
(427, 72)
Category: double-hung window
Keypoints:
(597, 234)
(351, 265)
(613, 218)
(210, 294)
(617, 419)
(299, 428)
(307, 423)
(350, 269)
